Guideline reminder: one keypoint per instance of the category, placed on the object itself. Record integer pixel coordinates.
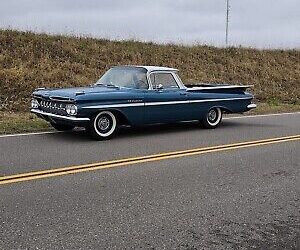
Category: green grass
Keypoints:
(270, 108)
(19, 122)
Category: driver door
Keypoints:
(166, 102)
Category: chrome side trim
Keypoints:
(194, 101)
(219, 100)
(166, 103)
(251, 106)
(115, 105)
(219, 87)
(161, 103)
(68, 118)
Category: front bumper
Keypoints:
(50, 116)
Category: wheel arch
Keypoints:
(224, 109)
(121, 117)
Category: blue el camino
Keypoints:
(136, 96)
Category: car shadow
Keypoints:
(157, 129)
(183, 127)
(130, 132)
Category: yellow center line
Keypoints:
(141, 159)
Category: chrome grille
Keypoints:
(54, 107)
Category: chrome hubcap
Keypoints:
(212, 115)
(103, 123)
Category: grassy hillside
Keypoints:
(29, 60)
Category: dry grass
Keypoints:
(29, 60)
(11, 122)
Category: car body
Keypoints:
(136, 96)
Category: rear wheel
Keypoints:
(103, 126)
(62, 127)
(213, 118)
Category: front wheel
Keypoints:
(62, 127)
(103, 126)
(212, 118)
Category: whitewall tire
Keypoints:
(103, 126)
(212, 118)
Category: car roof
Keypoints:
(151, 68)
(157, 68)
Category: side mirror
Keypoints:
(159, 86)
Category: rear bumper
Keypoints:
(50, 116)
(251, 106)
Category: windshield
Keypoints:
(125, 77)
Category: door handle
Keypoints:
(183, 93)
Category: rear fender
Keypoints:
(224, 109)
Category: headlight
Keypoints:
(71, 109)
(34, 104)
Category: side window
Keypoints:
(165, 79)
(140, 80)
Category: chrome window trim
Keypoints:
(175, 76)
(149, 81)
(181, 84)
(155, 69)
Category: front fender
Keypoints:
(127, 115)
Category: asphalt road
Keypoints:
(238, 199)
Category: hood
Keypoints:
(71, 93)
